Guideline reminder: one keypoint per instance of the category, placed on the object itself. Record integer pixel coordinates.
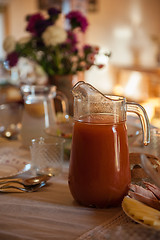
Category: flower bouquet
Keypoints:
(53, 45)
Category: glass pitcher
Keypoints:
(39, 111)
(99, 171)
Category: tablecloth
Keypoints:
(51, 212)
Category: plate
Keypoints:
(14, 160)
(150, 220)
(13, 167)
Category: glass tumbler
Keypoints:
(47, 155)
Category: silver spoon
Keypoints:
(14, 188)
(28, 181)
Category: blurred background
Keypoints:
(129, 29)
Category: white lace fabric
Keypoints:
(120, 227)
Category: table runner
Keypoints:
(122, 228)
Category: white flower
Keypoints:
(39, 55)
(54, 35)
(30, 72)
(24, 40)
(9, 44)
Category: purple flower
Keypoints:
(41, 26)
(32, 21)
(69, 45)
(87, 48)
(12, 59)
(77, 20)
(53, 13)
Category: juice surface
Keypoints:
(99, 171)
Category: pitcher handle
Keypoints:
(141, 112)
(64, 101)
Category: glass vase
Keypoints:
(64, 83)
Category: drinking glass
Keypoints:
(47, 155)
(10, 119)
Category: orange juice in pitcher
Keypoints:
(99, 171)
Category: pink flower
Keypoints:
(91, 58)
(82, 64)
(100, 66)
(95, 49)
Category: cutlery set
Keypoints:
(23, 185)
